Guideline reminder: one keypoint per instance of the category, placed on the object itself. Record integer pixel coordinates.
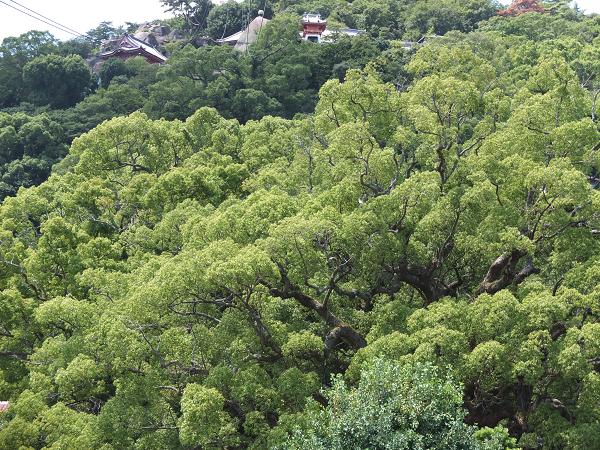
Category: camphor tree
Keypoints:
(56, 80)
(189, 284)
(29, 145)
(194, 13)
(15, 53)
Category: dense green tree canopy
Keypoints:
(309, 246)
(195, 13)
(104, 31)
(15, 52)
(29, 45)
(411, 407)
(191, 283)
(29, 145)
(280, 75)
(114, 67)
(232, 16)
(56, 80)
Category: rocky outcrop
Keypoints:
(152, 33)
(157, 35)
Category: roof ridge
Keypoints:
(138, 44)
(140, 41)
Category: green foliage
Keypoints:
(408, 407)
(55, 80)
(102, 32)
(423, 228)
(30, 145)
(203, 420)
(77, 46)
(114, 67)
(194, 13)
(399, 19)
(29, 45)
(230, 16)
(15, 53)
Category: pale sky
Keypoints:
(589, 6)
(82, 15)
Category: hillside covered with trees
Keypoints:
(306, 246)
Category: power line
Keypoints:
(226, 23)
(47, 18)
(42, 20)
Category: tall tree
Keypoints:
(57, 80)
(194, 13)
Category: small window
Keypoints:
(313, 38)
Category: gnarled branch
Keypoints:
(503, 272)
(344, 332)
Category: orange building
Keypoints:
(314, 29)
(519, 7)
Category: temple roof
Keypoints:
(347, 31)
(519, 7)
(231, 39)
(312, 18)
(130, 44)
(242, 39)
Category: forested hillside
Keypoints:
(44, 80)
(339, 246)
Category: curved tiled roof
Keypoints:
(130, 44)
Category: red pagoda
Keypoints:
(313, 27)
(519, 7)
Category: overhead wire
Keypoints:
(248, 20)
(262, 20)
(226, 23)
(264, 10)
(64, 30)
(204, 15)
(47, 18)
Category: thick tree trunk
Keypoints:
(343, 334)
(503, 272)
(341, 331)
(21, 356)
